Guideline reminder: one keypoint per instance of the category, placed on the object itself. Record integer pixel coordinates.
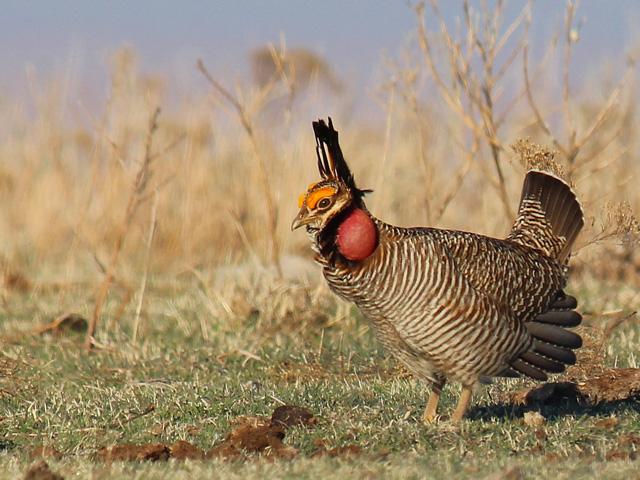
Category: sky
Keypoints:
(57, 36)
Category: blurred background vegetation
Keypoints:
(155, 185)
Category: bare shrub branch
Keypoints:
(575, 140)
(136, 194)
(618, 222)
(247, 123)
(475, 76)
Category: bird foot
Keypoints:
(430, 419)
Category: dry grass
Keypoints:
(227, 188)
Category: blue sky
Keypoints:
(169, 36)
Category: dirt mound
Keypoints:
(263, 436)
(41, 471)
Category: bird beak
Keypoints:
(301, 219)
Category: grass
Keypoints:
(177, 385)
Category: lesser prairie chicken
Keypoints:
(451, 305)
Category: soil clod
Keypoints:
(182, 450)
(128, 452)
(609, 385)
(292, 416)
(41, 471)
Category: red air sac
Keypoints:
(357, 236)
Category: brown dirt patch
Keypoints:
(290, 416)
(629, 440)
(626, 449)
(607, 423)
(263, 436)
(41, 471)
(129, 452)
(344, 451)
(152, 452)
(589, 381)
(610, 385)
(182, 450)
(620, 455)
(254, 435)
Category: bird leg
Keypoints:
(432, 404)
(463, 404)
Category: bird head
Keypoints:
(336, 192)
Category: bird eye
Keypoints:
(324, 203)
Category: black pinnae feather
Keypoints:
(333, 165)
(319, 128)
(335, 152)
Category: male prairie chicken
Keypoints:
(451, 305)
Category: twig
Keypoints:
(618, 320)
(605, 110)
(389, 107)
(148, 409)
(475, 80)
(137, 191)
(534, 106)
(575, 141)
(143, 284)
(128, 294)
(457, 181)
(247, 124)
(566, 87)
(288, 78)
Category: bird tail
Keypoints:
(549, 216)
(553, 344)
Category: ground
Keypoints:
(193, 377)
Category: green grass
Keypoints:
(189, 368)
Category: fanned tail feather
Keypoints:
(549, 216)
(549, 219)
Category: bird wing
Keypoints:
(495, 310)
(521, 278)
